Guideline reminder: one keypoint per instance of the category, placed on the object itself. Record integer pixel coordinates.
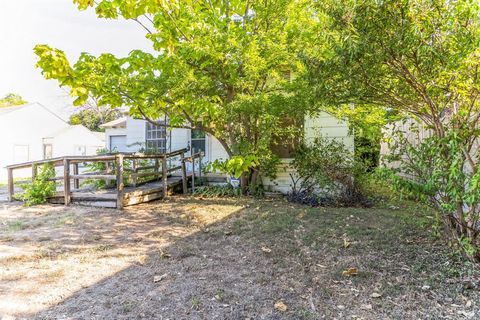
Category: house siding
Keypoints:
(325, 125)
(135, 134)
(29, 126)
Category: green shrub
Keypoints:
(441, 172)
(41, 188)
(217, 191)
(326, 173)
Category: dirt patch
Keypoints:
(194, 258)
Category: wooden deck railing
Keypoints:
(119, 173)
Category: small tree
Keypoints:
(419, 58)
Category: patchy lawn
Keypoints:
(194, 258)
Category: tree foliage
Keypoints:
(233, 69)
(11, 99)
(92, 115)
(420, 59)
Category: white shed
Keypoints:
(33, 132)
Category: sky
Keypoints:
(58, 23)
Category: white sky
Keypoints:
(58, 23)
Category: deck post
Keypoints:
(76, 182)
(193, 170)
(165, 176)
(34, 171)
(200, 168)
(11, 187)
(120, 184)
(184, 174)
(66, 181)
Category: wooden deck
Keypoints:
(150, 177)
(131, 196)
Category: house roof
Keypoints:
(6, 110)
(117, 123)
(99, 135)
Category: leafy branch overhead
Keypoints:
(234, 69)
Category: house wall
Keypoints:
(325, 125)
(135, 134)
(70, 141)
(29, 127)
(25, 127)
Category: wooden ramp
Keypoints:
(137, 178)
(107, 198)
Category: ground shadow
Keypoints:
(267, 260)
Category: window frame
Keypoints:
(157, 135)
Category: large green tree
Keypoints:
(420, 59)
(231, 68)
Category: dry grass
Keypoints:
(230, 259)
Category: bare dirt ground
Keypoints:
(229, 258)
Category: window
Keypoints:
(156, 138)
(198, 140)
(47, 151)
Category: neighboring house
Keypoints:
(132, 135)
(33, 132)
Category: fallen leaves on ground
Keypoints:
(160, 278)
(266, 249)
(350, 272)
(280, 306)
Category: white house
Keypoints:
(132, 135)
(33, 132)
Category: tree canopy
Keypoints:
(92, 115)
(419, 59)
(234, 69)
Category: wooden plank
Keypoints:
(34, 171)
(148, 174)
(165, 177)
(76, 182)
(151, 188)
(143, 198)
(88, 195)
(193, 170)
(184, 175)
(11, 186)
(56, 178)
(120, 184)
(66, 181)
(56, 161)
(174, 169)
(94, 176)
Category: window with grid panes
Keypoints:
(156, 138)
